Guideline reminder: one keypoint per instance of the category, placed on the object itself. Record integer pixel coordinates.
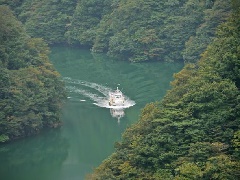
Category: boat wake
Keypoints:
(98, 94)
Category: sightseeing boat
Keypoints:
(116, 98)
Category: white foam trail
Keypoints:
(101, 101)
(102, 89)
(83, 92)
(104, 103)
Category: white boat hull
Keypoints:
(116, 98)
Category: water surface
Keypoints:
(89, 129)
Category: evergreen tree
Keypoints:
(31, 92)
(194, 132)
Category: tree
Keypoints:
(193, 132)
(31, 92)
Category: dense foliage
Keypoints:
(156, 30)
(44, 19)
(31, 92)
(194, 132)
(135, 30)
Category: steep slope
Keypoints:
(194, 132)
(31, 92)
(134, 30)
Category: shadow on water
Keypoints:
(38, 158)
(90, 128)
(100, 96)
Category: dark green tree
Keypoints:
(31, 92)
(194, 132)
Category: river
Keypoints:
(90, 128)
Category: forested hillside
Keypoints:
(31, 92)
(135, 30)
(194, 132)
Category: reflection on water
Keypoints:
(89, 128)
(96, 93)
(117, 113)
(37, 158)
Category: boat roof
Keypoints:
(116, 92)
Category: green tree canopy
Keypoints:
(31, 92)
(134, 30)
(194, 132)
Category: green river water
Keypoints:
(90, 128)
